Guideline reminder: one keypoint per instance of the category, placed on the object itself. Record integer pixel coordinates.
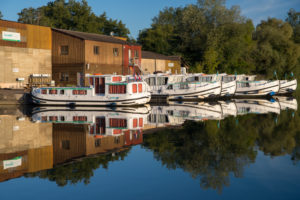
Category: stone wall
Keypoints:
(16, 62)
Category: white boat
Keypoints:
(176, 87)
(256, 106)
(228, 83)
(287, 102)
(287, 86)
(228, 108)
(246, 85)
(101, 121)
(104, 90)
(176, 114)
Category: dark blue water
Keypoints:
(247, 156)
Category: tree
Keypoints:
(204, 34)
(72, 15)
(294, 20)
(1, 15)
(275, 49)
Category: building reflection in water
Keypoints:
(52, 136)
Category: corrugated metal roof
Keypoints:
(153, 55)
(93, 36)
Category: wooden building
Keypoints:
(154, 62)
(25, 147)
(25, 54)
(76, 54)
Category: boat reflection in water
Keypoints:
(52, 138)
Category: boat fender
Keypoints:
(272, 93)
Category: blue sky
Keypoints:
(138, 14)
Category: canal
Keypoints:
(243, 148)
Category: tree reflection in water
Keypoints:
(211, 154)
(80, 170)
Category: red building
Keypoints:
(132, 58)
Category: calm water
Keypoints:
(246, 149)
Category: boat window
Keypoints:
(52, 91)
(79, 118)
(162, 80)
(44, 118)
(44, 91)
(117, 89)
(118, 123)
(135, 123)
(170, 87)
(151, 81)
(62, 91)
(134, 88)
(53, 118)
(140, 88)
(116, 79)
(141, 122)
(183, 86)
(62, 118)
(158, 118)
(79, 92)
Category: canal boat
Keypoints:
(287, 86)
(248, 86)
(287, 102)
(176, 87)
(101, 121)
(257, 106)
(228, 83)
(103, 90)
(177, 113)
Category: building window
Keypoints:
(96, 50)
(64, 76)
(117, 140)
(136, 53)
(65, 144)
(98, 143)
(64, 50)
(116, 51)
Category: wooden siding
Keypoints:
(152, 65)
(105, 56)
(76, 49)
(107, 143)
(176, 66)
(73, 133)
(39, 37)
(70, 69)
(32, 36)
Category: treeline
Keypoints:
(211, 38)
(72, 15)
(211, 151)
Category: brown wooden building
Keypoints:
(25, 50)
(76, 54)
(155, 62)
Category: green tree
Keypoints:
(204, 34)
(1, 15)
(72, 15)
(294, 20)
(275, 49)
